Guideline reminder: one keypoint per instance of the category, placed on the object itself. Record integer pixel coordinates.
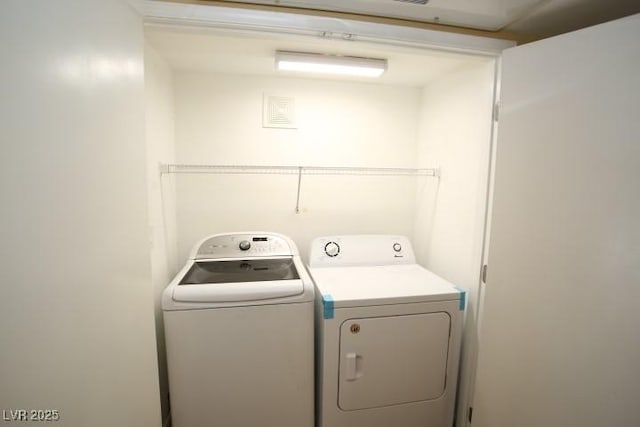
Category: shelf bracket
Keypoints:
(298, 194)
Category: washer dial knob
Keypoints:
(244, 245)
(332, 249)
(397, 247)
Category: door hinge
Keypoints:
(469, 413)
(496, 112)
(484, 273)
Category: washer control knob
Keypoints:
(332, 249)
(244, 245)
(397, 247)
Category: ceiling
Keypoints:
(555, 17)
(524, 19)
(195, 49)
(481, 14)
(210, 51)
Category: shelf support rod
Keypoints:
(299, 184)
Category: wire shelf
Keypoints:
(294, 170)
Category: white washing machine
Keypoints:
(239, 334)
(387, 335)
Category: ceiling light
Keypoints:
(330, 64)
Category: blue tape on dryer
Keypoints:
(327, 303)
(463, 298)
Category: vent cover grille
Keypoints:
(278, 112)
(413, 1)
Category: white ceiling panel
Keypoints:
(479, 14)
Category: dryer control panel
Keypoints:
(238, 245)
(360, 250)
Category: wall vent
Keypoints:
(414, 1)
(278, 112)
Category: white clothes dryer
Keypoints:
(388, 335)
(239, 334)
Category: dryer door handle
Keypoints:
(353, 366)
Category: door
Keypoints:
(78, 342)
(393, 360)
(560, 335)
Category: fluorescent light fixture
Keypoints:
(330, 64)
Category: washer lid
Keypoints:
(234, 271)
(379, 285)
(239, 280)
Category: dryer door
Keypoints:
(393, 360)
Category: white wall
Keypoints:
(219, 121)
(455, 134)
(77, 303)
(159, 115)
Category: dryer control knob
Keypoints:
(397, 247)
(244, 245)
(332, 249)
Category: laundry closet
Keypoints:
(234, 145)
(406, 154)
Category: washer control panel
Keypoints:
(364, 250)
(241, 245)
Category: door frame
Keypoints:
(223, 19)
